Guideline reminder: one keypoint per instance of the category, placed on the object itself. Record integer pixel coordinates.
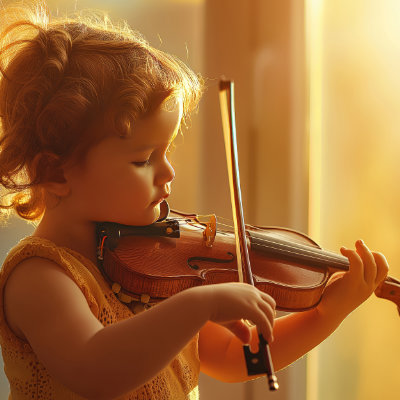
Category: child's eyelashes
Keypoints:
(141, 163)
(153, 156)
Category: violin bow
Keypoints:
(260, 362)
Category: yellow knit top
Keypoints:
(29, 378)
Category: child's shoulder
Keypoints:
(28, 248)
(37, 274)
(30, 257)
(36, 255)
(29, 287)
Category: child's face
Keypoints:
(124, 180)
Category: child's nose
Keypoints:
(165, 174)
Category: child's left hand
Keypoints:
(345, 291)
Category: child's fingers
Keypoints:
(262, 317)
(240, 329)
(269, 312)
(370, 268)
(265, 326)
(356, 264)
(270, 300)
(336, 276)
(382, 267)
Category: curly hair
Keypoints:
(63, 79)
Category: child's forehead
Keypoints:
(161, 127)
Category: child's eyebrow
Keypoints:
(149, 146)
(142, 148)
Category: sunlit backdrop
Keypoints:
(318, 103)
(354, 59)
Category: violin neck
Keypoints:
(296, 252)
(389, 289)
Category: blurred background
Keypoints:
(318, 115)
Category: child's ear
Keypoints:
(59, 189)
(50, 169)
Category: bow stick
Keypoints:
(260, 362)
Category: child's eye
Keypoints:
(141, 163)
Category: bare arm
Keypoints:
(96, 362)
(221, 352)
(46, 307)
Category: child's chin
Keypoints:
(143, 221)
(150, 218)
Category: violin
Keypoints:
(187, 250)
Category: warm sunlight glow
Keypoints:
(354, 119)
(314, 70)
(187, 1)
(313, 11)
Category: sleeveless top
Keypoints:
(29, 378)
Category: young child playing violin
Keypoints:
(88, 114)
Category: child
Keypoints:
(88, 113)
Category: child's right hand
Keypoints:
(230, 303)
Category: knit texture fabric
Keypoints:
(29, 378)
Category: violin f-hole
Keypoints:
(209, 259)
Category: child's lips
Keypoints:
(160, 200)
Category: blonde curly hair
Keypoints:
(66, 83)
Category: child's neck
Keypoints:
(75, 235)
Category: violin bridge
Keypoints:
(210, 221)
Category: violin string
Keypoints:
(299, 250)
(276, 233)
(302, 250)
(274, 244)
(313, 253)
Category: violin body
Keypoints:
(286, 264)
